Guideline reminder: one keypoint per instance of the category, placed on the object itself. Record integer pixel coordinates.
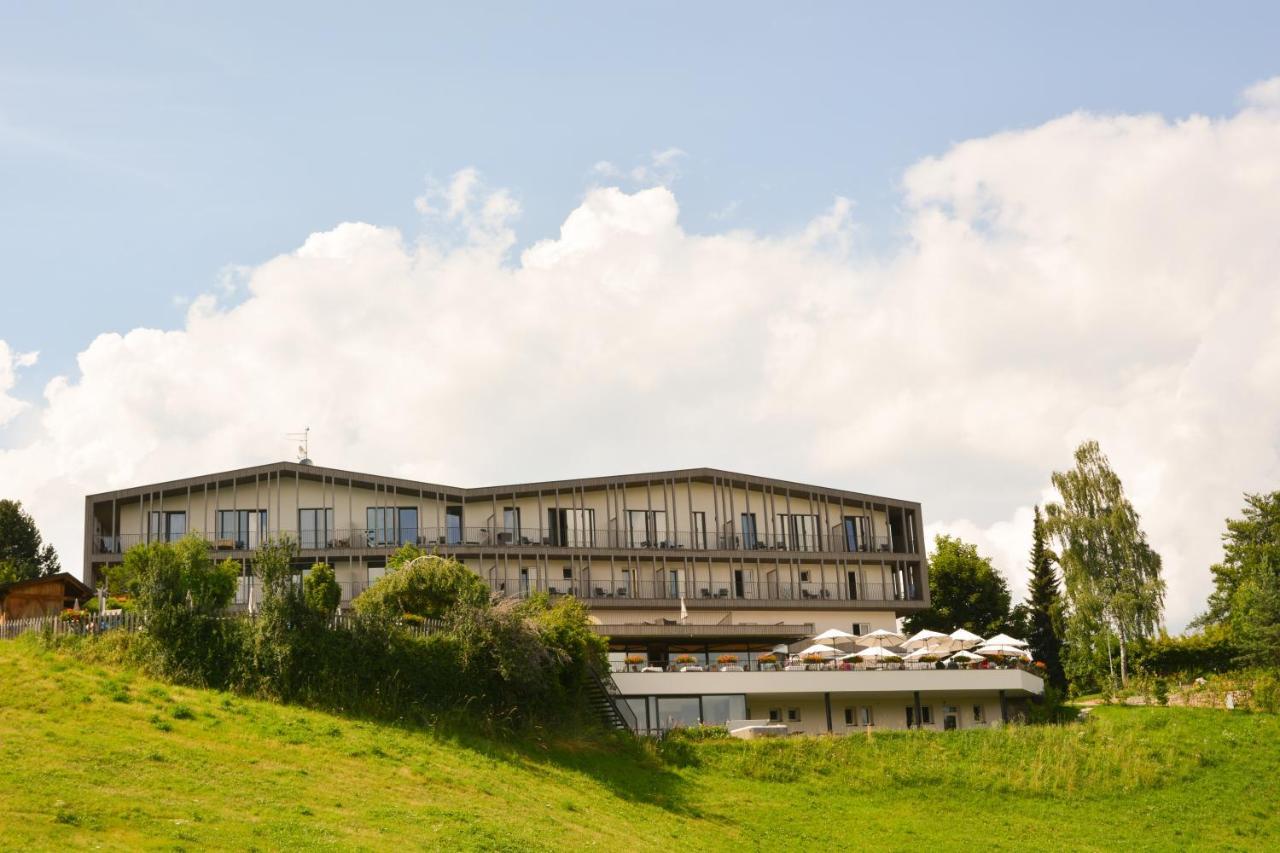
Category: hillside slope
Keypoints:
(92, 756)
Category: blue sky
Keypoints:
(1007, 277)
(146, 147)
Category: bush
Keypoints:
(1187, 656)
(426, 586)
(506, 664)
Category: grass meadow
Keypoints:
(94, 756)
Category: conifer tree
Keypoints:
(1044, 606)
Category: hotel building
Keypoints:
(753, 563)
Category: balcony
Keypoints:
(453, 539)
(660, 595)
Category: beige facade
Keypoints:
(634, 546)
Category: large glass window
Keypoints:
(799, 531)
(315, 526)
(391, 526)
(166, 526)
(677, 711)
(640, 708)
(510, 534)
(855, 533)
(240, 528)
(573, 528)
(647, 528)
(749, 538)
(718, 710)
(453, 525)
(699, 531)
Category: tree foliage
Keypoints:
(23, 554)
(321, 590)
(426, 586)
(1111, 575)
(180, 574)
(965, 591)
(1246, 584)
(1043, 609)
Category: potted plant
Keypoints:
(813, 660)
(729, 663)
(634, 662)
(768, 661)
(686, 660)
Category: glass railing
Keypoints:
(364, 538)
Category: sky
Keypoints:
(920, 252)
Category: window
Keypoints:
(699, 530)
(867, 718)
(855, 532)
(166, 526)
(793, 715)
(453, 525)
(860, 628)
(392, 526)
(240, 528)
(775, 715)
(673, 583)
(804, 576)
(571, 528)
(646, 528)
(718, 710)
(799, 532)
(678, 711)
(977, 714)
(926, 716)
(749, 538)
(315, 526)
(849, 716)
(567, 573)
(510, 524)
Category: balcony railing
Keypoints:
(460, 538)
(604, 591)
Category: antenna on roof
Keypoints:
(304, 456)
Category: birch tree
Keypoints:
(1111, 575)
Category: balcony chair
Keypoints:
(705, 593)
(623, 592)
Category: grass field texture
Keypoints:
(94, 756)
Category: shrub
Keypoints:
(321, 590)
(426, 586)
(1160, 691)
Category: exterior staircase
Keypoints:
(604, 699)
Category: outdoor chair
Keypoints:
(705, 593)
(722, 593)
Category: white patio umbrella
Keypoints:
(819, 649)
(874, 653)
(926, 652)
(1006, 651)
(965, 654)
(920, 639)
(1006, 640)
(835, 635)
(880, 638)
(965, 639)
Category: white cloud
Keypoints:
(1109, 277)
(661, 170)
(10, 362)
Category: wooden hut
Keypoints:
(46, 596)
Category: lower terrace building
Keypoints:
(755, 563)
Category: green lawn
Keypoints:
(92, 756)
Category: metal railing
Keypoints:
(619, 590)
(382, 539)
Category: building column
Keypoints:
(826, 699)
(915, 697)
(1004, 709)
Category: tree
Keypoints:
(321, 590)
(23, 555)
(428, 586)
(965, 591)
(176, 576)
(1111, 575)
(1044, 606)
(1246, 584)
